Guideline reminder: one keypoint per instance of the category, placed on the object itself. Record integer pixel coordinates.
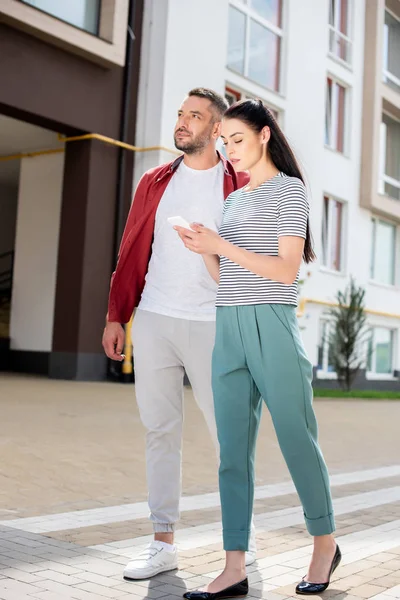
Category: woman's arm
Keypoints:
(282, 268)
(212, 263)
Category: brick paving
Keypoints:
(69, 447)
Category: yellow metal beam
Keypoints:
(304, 301)
(112, 142)
(31, 154)
(88, 136)
(127, 363)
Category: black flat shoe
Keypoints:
(306, 587)
(239, 590)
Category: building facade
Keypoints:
(67, 70)
(330, 72)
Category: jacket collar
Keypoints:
(175, 164)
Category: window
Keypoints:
(234, 95)
(380, 351)
(332, 234)
(389, 181)
(391, 51)
(339, 25)
(383, 256)
(254, 43)
(80, 13)
(324, 348)
(335, 114)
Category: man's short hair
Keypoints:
(218, 102)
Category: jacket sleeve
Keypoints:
(136, 209)
(135, 212)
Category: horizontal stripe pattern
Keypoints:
(254, 220)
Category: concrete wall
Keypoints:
(36, 249)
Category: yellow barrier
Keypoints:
(88, 136)
(127, 364)
(304, 301)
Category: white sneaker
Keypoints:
(251, 554)
(156, 558)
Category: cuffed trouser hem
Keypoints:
(164, 527)
(236, 540)
(321, 526)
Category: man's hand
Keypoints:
(114, 341)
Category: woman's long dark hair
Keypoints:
(257, 116)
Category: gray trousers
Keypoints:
(163, 347)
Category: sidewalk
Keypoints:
(73, 510)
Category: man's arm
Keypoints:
(114, 334)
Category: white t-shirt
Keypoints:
(177, 282)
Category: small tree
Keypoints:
(347, 334)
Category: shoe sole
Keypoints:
(233, 597)
(161, 570)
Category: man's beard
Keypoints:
(194, 145)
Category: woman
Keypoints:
(258, 352)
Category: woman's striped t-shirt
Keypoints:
(254, 220)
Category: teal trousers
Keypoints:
(259, 354)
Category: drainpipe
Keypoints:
(126, 99)
(115, 370)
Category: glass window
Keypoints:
(234, 95)
(254, 41)
(335, 113)
(390, 157)
(324, 348)
(383, 252)
(264, 56)
(237, 40)
(391, 51)
(339, 40)
(270, 10)
(380, 351)
(81, 13)
(332, 234)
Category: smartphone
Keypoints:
(179, 221)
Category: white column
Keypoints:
(184, 46)
(36, 250)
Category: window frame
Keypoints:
(241, 94)
(343, 235)
(334, 30)
(383, 178)
(334, 113)
(324, 373)
(372, 374)
(374, 221)
(250, 14)
(386, 74)
(96, 33)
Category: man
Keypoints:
(174, 326)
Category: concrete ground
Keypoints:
(73, 491)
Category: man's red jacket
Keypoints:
(127, 282)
